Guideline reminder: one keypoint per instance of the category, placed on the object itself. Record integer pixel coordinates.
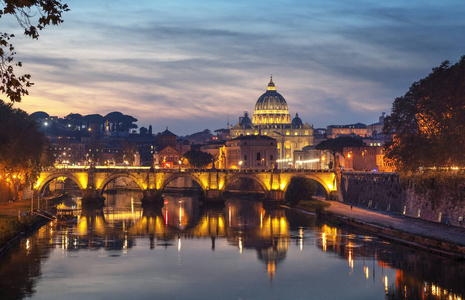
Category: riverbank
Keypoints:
(428, 236)
(15, 221)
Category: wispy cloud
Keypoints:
(190, 64)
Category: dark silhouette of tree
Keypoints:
(150, 130)
(39, 115)
(198, 159)
(120, 122)
(93, 119)
(32, 16)
(23, 149)
(337, 145)
(143, 131)
(427, 123)
(75, 120)
(300, 188)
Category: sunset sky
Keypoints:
(189, 65)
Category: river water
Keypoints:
(240, 250)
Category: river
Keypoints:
(240, 250)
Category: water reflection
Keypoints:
(291, 247)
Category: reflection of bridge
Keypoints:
(92, 181)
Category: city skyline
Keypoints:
(189, 66)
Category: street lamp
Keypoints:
(180, 162)
(240, 165)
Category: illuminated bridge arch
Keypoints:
(43, 182)
(327, 186)
(112, 177)
(175, 176)
(235, 177)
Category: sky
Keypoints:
(194, 65)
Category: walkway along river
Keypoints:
(241, 250)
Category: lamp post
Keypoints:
(240, 165)
(180, 162)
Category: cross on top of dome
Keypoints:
(271, 86)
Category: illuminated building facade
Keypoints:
(271, 118)
(250, 152)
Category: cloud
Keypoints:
(191, 64)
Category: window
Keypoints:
(271, 157)
(259, 156)
(245, 157)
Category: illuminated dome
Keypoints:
(297, 122)
(271, 108)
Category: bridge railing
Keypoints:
(175, 170)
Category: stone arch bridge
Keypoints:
(93, 180)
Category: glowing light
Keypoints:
(386, 283)
(323, 242)
(309, 161)
(282, 186)
(240, 245)
(367, 272)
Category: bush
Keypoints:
(300, 188)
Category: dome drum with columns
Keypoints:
(271, 117)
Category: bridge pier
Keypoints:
(92, 197)
(214, 195)
(275, 195)
(151, 196)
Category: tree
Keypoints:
(143, 131)
(198, 159)
(300, 188)
(427, 123)
(23, 149)
(32, 16)
(337, 145)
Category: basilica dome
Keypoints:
(271, 108)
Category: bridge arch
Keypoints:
(239, 176)
(43, 183)
(175, 176)
(111, 177)
(316, 178)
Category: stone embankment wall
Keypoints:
(438, 197)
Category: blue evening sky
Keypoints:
(189, 65)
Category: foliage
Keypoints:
(438, 185)
(11, 227)
(337, 145)
(427, 122)
(23, 148)
(300, 188)
(198, 159)
(120, 122)
(32, 16)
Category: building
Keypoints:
(358, 129)
(249, 152)
(271, 118)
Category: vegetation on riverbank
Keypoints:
(436, 185)
(10, 227)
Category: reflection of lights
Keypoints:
(28, 244)
(301, 239)
(351, 259)
(386, 283)
(323, 241)
(261, 219)
(240, 245)
(367, 272)
(166, 217)
(179, 244)
(125, 245)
